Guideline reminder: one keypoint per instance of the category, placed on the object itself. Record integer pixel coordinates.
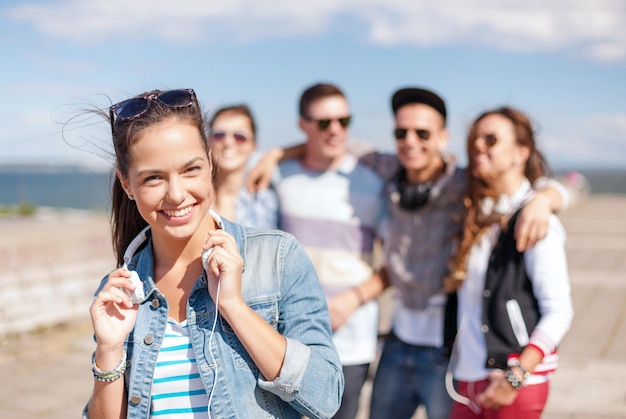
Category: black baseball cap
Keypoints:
(416, 95)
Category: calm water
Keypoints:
(603, 181)
(72, 188)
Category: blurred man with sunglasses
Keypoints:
(424, 190)
(333, 205)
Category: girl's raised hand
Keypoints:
(225, 266)
(112, 313)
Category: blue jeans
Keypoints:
(409, 376)
(354, 376)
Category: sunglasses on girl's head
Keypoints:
(135, 107)
(489, 139)
(401, 133)
(221, 136)
(323, 124)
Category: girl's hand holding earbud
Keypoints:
(226, 267)
(112, 314)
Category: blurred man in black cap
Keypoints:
(424, 189)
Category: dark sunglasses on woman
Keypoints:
(221, 136)
(489, 139)
(130, 109)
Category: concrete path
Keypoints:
(46, 374)
(590, 383)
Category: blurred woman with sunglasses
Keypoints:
(223, 322)
(513, 307)
(232, 134)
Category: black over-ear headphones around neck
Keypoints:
(413, 196)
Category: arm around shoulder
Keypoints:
(533, 222)
(260, 175)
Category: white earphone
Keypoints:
(138, 295)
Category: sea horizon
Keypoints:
(64, 186)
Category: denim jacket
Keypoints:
(280, 284)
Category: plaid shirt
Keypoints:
(419, 243)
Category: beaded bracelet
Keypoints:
(515, 363)
(513, 379)
(111, 375)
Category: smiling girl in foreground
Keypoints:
(247, 336)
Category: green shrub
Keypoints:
(26, 209)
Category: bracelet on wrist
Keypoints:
(513, 379)
(514, 363)
(110, 375)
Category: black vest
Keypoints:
(506, 280)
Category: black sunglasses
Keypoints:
(323, 124)
(489, 139)
(401, 133)
(129, 109)
(221, 136)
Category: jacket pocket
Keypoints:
(268, 310)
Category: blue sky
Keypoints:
(563, 62)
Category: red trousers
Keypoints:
(529, 404)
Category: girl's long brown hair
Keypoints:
(475, 224)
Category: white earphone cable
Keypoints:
(215, 369)
(449, 380)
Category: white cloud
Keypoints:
(587, 27)
(185, 20)
(590, 28)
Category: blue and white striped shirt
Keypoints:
(177, 390)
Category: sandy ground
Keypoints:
(46, 372)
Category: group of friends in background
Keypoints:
(261, 272)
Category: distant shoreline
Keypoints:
(601, 181)
(77, 188)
